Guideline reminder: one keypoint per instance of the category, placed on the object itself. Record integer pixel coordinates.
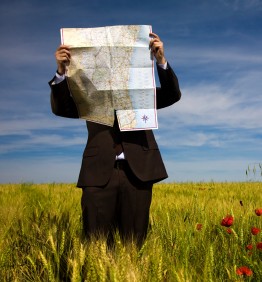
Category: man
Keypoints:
(118, 168)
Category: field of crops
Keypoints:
(198, 232)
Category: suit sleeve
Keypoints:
(62, 103)
(169, 92)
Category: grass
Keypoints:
(41, 239)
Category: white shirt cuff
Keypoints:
(163, 66)
(58, 78)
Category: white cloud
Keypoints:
(40, 132)
(177, 136)
(231, 106)
(33, 121)
(41, 142)
(40, 170)
(193, 54)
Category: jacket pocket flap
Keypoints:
(89, 152)
(152, 147)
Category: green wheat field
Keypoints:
(41, 237)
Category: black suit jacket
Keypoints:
(140, 148)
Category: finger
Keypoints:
(154, 35)
(62, 55)
(157, 43)
(67, 47)
(154, 42)
(63, 58)
(63, 48)
(156, 46)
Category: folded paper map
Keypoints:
(111, 70)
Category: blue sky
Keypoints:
(214, 46)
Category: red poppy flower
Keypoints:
(255, 230)
(244, 270)
(199, 226)
(259, 246)
(227, 221)
(229, 231)
(249, 247)
(258, 212)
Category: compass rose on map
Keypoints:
(145, 118)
